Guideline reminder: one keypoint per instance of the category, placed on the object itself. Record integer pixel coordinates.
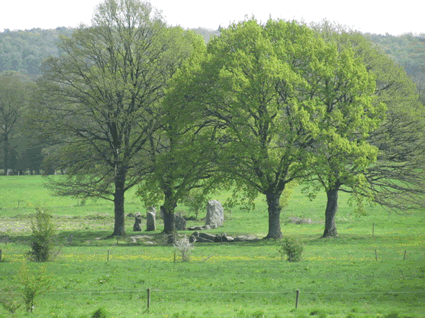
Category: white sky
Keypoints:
(374, 16)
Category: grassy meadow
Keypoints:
(336, 277)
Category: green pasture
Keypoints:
(336, 277)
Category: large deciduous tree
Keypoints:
(396, 179)
(270, 86)
(101, 97)
(14, 96)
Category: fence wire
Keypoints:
(227, 292)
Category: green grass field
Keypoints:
(336, 277)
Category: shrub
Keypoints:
(100, 313)
(292, 248)
(258, 314)
(184, 247)
(43, 237)
(8, 300)
(318, 313)
(33, 284)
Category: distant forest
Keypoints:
(24, 51)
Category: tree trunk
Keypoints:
(6, 155)
(274, 209)
(168, 209)
(169, 226)
(119, 225)
(331, 209)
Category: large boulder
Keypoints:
(209, 238)
(223, 238)
(150, 221)
(246, 238)
(215, 214)
(137, 227)
(179, 223)
(202, 227)
(201, 237)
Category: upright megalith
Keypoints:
(215, 214)
(150, 221)
(151, 209)
(179, 222)
(137, 227)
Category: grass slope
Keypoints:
(336, 277)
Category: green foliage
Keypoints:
(396, 179)
(15, 90)
(25, 50)
(33, 284)
(291, 247)
(106, 149)
(287, 193)
(195, 201)
(285, 104)
(43, 245)
(8, 299)
(100, 313)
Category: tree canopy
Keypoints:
(396, 179)
(102, 94)
(273, 90)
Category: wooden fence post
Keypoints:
(108, 256)
(376, 255)
(149, 297)
(297, 298)
(0, 254)
(404, 257)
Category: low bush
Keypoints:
(291, 247)
(100, 313)
(184, 247)
(33, 283)
(43, 243)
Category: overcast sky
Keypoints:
(374, 16)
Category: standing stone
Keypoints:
(151, 209)
(69, 239)
(137, 227)
(150, 221)
(215, 215)
(179, 222)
